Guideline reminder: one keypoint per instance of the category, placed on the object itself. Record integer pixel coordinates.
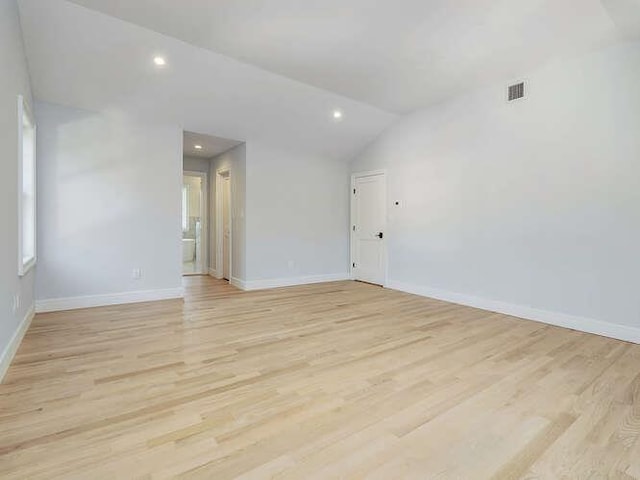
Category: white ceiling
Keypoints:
(211, 146)
(399, 55)
(85, 59)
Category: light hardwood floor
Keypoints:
(339, 380)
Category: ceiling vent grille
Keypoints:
(516, 91)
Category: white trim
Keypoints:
(236, 282)
(71, 303)
(583, 324)
(213, 273)
(352, 249)
(204, 220)
(220, 175)
(291, 281)
(13, 345)
(24, 267)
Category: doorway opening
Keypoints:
(209, 166)
(223, 224)
(368, 225)
(194, 223)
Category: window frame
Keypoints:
(24, 111)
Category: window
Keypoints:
(185, 208)
(26, 188)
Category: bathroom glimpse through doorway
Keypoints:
(194, 223)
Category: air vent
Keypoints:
(516, 91)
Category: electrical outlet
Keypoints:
(136, 274)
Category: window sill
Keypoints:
(26, 267)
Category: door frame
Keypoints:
(352, 219)
(204, 220)
(219, 271)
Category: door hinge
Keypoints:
(354, 191)
(353, 264)
(354, 228)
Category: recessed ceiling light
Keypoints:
(198, 147)
(337, 115)
(159, 61)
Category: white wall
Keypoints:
(293, 227)
(109, 194)
(297, 215)
(14, 80)
(234, 161)
(531, 204)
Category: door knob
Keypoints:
(379, 234)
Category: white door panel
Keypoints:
(368, 226)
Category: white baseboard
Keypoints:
(292, 281)
(583, 324)
(10, 350)
(236, 282)
(71, 303)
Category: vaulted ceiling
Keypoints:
(85, 59)
(398, 55)
(276, 70)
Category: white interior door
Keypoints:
(368, 242)
(226, 226)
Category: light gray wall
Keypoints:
(287, 207)
(14, 80)
(234, 160)
(297, 214)
(109, 192)
(533, 203)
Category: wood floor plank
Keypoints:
(338, 380)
